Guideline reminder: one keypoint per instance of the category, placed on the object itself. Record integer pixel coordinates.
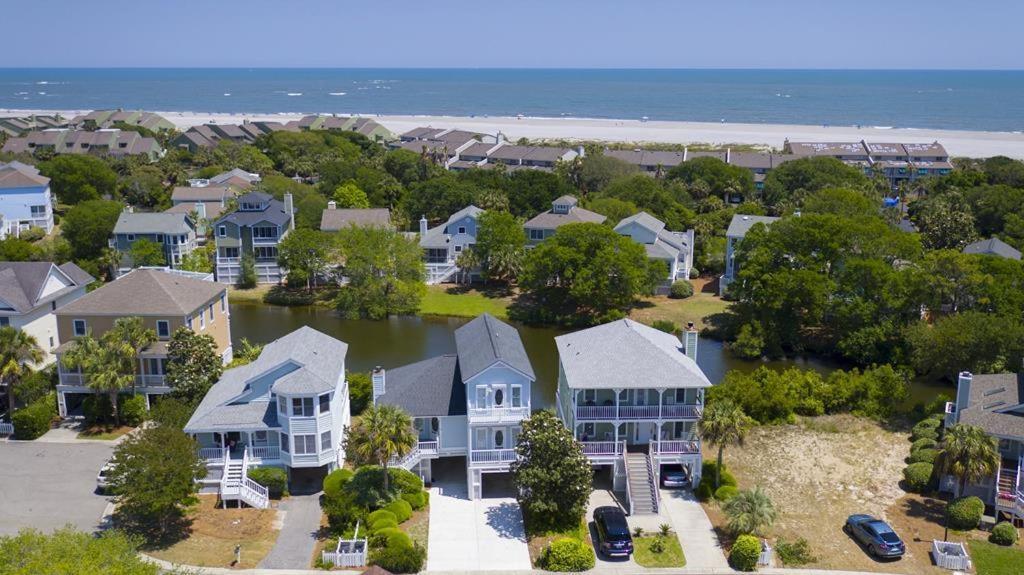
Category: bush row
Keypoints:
(567, 555)
(274, 479)
(34, 419)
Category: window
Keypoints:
(265, 252)
(588, 430)
(462, 229)
(156, 366)
(282, 407)
(481, 397)
(79, 326)
(210, 312)
(305, 445)
(517, 396)
(202, 321)
(5, 321)
(458, 249)
(51, 342)
(188, 321)
(163, 328)
(325, 403)
(260, 437)
(499, 397)
(264, 232)
(284, 442)
(53, 305)
(222, 231)
(230, 252)
(131, 237)
(302, 407)
(38, 211)
(536, 235)
(223, 304)
(499, 439)
(325, 440)
(159, 238)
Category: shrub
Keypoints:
(919, 434)
(745, 552)
(401, 508)
(97, 409)
(726, 492)
(279, 295)
(381, 514)
(416, 500)
(33, 420)
(706, 489)
(567, 555)
(923, 444)
(924, 456)
(918, 476)
(965, 513)
(33, 234)
(927, 424)
(1003, 534)
(665, 326)
(274, 479)
(390, 537)
(680, 289)
(796, 553)
(399, 558)
(133, 410)
(335, 480)
(406, 481)
(383, 523)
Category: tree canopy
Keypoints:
(500, 245)
(193, 365)
(76, 178)
(385, 273)
(88, 226)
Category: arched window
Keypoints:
(499, 397)
(499, 439)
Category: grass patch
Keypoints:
(702, 304)
(991, 559)
(464, 302)
(104, 433)
(215, 532)
(254, 295)
(670, 556)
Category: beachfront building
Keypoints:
(334, 219)
(165, 300)
(175, 233)
(25, 199)
(210, 135)
(633, 396)
(105, 142)
(103, 119)
(738, 228)
(673, 248)
(545, 158)
(995, 403)
(443, 244)
(564, 210)
(31, 293)
(993, 247)
(899, 163)
(468, 405)
(19, 126)
(289, 409)
(365, 126)
(255, 228)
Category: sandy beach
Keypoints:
(957, 142)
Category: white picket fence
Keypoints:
(6, 429)
(348, 553)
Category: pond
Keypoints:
(399, 341)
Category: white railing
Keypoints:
(408, 461)
(653, 483)
(681, 411)
(638, 412)
(428, 447)
(492, 455)
(438, 273)
(598, 448)
(674, 411)
(211, 454)
(265, 452)
(765, 559)
(595, 412)
(499, 414)
(675, 447)
(150, 380)
(6, 429)
(254, 494)
(141, 380)
(348, 553)
(629, 491)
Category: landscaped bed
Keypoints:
(215, 533)
(646, 553)
(537, 542)
(104, 433)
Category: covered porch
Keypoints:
(649, 403)
(604, 441)
(264, 446)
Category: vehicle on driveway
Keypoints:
(103, 479)
(876, 535)
(613, 538)
(674, 477)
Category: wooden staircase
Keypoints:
(1010, 491)
(642, 487)
(235, 484)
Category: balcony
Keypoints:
(499, 414)
(603, 450)
(144, 380)
(487, 457)
(611, 412)
(675, 447)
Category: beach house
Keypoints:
(254, 229)
(673, 248)
(564, 210)
(210, 135)
(443, 244)
(993, 247)
(31, 293)
(102, 119)
(289, 408)
(469, 404)
(166, 301)
(333, 219)
(738, 228)
(25, 199)
(174, 233)
(633, 395)
(995, 403)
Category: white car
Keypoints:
(102, 481)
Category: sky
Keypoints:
(837, 34)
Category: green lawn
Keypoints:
(990, 559)
(459, 302)
(671, 556)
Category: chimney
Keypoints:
(963, 393)
(378, 382)
(690, 341)
(332, 205)
(423, 225)
(289, 208)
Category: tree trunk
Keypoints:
(384, 465)
(113, 408)
(10, 401)
(718, 468)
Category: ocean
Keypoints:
(962, 100)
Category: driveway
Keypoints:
(48, 485)
(300, 522)
(465, 535)
(692, 526)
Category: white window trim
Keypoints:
(202, 320)
(160, 322)
(222, 231)
(74, 327)
(512, 395)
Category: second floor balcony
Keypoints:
(500, 414)
(491, 457)
(659, 411)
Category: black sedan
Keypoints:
(875, 534)
(612, 532)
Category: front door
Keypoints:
(480, 441)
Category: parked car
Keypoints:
(674, 476)
(102, 478)
(876, 535)
(612, 532)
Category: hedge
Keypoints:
(567, 555)
(680, 289)
(965, 513)
(391, 537)
(401, 508)
(379, 514)
(274, 479)
(335, 480)
(399, 558)
(133, 410)
(923, 444)
(745, 552)
(34, 419)
(97, 409)
(726, 492)
(924, 455)
(416, 500)
(383, 524)
(919, 434)
(1003, 534)
(918, 477)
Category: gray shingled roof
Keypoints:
(275, 212)
(146, 292)
(625, 354)
(993, 247)
(437, 236)
(643, 219)
(201, 194)
(549, 220)
(741, 224)
(429, 388)
(152, 223)
(335, 219)
(991, 394)
(487, 340)
(22, 282)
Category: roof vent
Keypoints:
(994, 405)
(992, 392)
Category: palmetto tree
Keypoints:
(750, 511)
(248, 351)
(724, 423)
(969, 454)
(128, 338)
(110, 260)
(17, 350)
(383, 432)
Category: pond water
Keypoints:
(399, 341)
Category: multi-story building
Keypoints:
(289, 408)
(333, 219)
(210, 135)
(564, 210)
(175, 233)
(633, 395)
(102, 119)
(255, 228)
(31, 293)
(442, 244)
(165, 301)
(899, 163)
(469, 404)
(105, 142)
(25, 199)
(673, 248)
(738, 228)
(19, 126)
(993, 247)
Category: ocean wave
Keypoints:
(294, 93)
(336, 93)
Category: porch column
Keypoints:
(617, 392)
(248, 439)
(661, 395)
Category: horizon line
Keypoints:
(516, 68)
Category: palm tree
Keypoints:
(969, 454)
(17, 350)
(110, 261)
(724, 423)
(129, 337)
(248, 351)
(383, 432)
(750, 511)
(102, 363)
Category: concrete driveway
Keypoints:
(48, 485)
(465, 535)
(696, 534)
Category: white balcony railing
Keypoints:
(143, 380)
(685, 447)
(681, 411)
(608, 412)
(492, 455)
(638, 412)
(602, 448)
(428, 447)
(264, 452)
(211, 454)
(499, 414)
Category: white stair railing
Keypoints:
(656, 499)
(625, 467)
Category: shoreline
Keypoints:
(967, 143)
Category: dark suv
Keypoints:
(876, 535)
(612, 532)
